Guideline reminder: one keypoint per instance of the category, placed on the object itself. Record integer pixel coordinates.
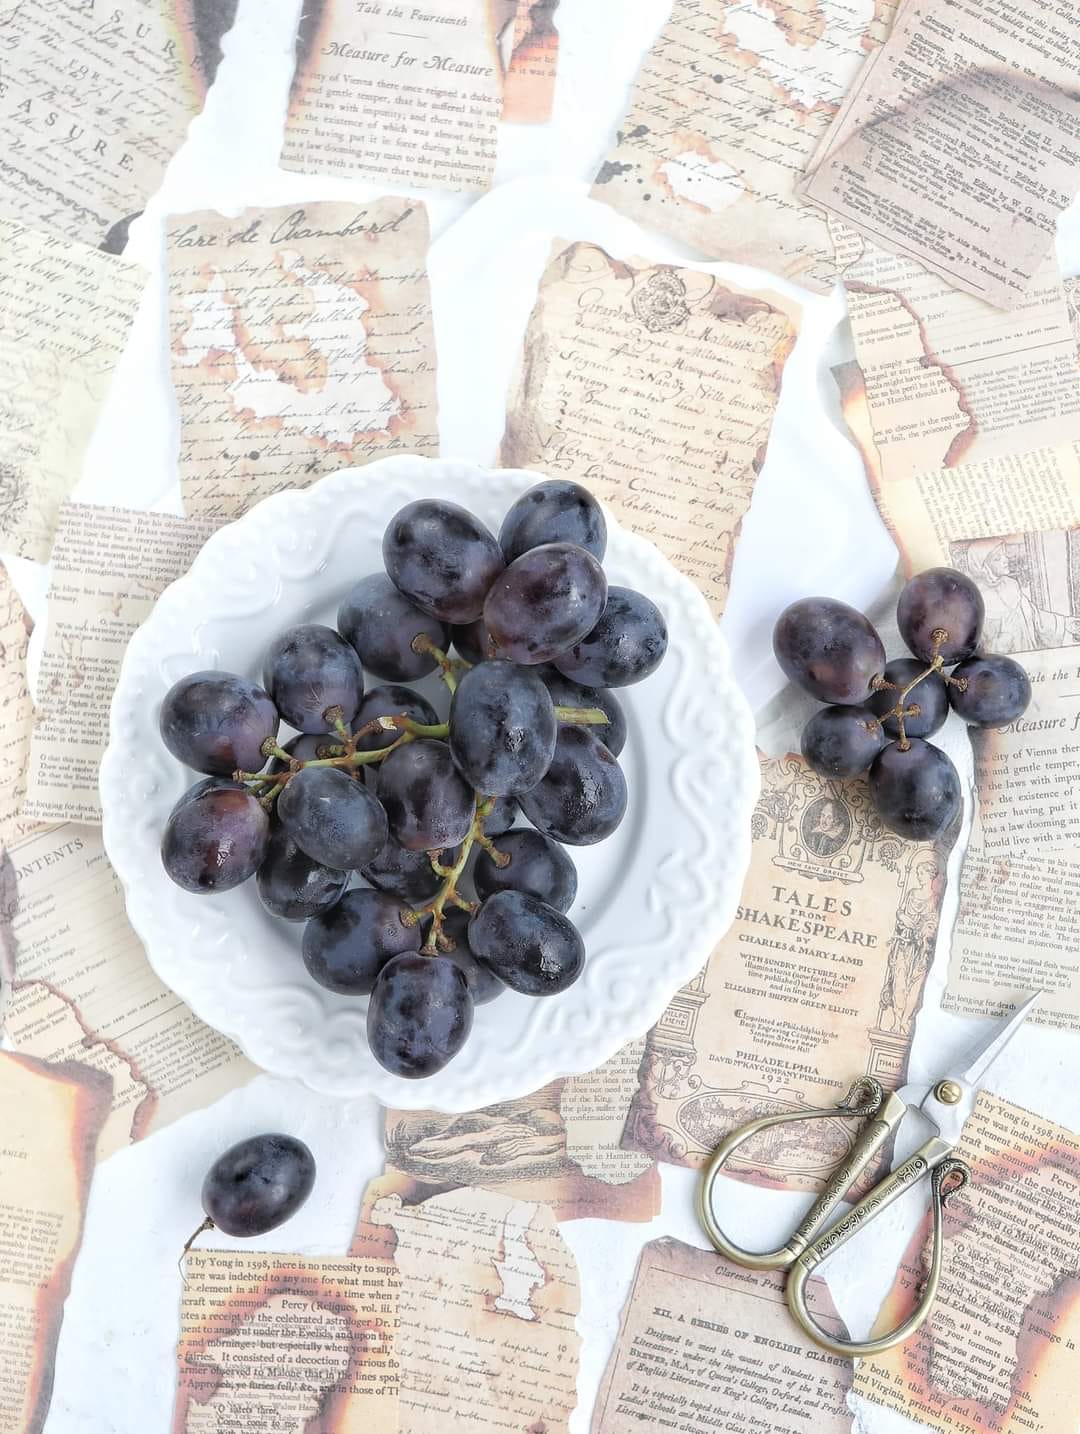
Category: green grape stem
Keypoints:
(900, 712)
(436, 907)
(448, 667)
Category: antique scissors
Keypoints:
(945, 1104)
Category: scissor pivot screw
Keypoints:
(949, 1093)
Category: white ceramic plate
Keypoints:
(653, 899)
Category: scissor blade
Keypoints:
(993, 1048)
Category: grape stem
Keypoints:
(448, 668)
(448, 891)
(900, 712)
(581, 716)
(207, 1224)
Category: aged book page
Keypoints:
(65, 313)
(559, 1146)
(633, 372)
(406, 93)
(85, 991)
(958, 143)
(52, 1116)
(16, 712)
(286, 1343)
(529, 79)
(95, 101)
(729, 106)
(302, 342)
(704, 1346)
(999, 1351)
(489, 1294)
(818, 982)
(109, 566)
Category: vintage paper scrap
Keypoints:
(817, 983)
(998, 1354)
(559, 1146)
(84, 990)
(65, 315)
(52, 1116)
(489, 1295)
(655, 386)
(958, 143)
(530, 76)
(109, 567)
(16, 713)
(297, 1345)
(302, 342)
(704, 1345)
(728, 108)
(400, 93)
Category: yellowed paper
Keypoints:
(95, 100)
(559, 1146)
(51, 1119)
(16, 712)
(302, 342)
(489, 1294)
(65, 314)
(728, 108)
(284, 1343)
(632, 373)
(957, 145)
(704, 1346)
(818, 982)
(999, 1351)
(84, 990)
(402, 93)
(529, 82)
(109, 566)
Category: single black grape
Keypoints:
(997, 691)
(391, 701)
(626, 646)
(545, 601)
(407, 875)
(484, 985)
(309, 671)
(565, 693)
(346, 947)
(555, 511)
(941, 599)
(529, 945)
(428, 802)
(842, 741)
(217, 722)
(333, 817)
(382, 624)
(501, 817)
(420, 1014)
(215, 838)
(292, 884)
(442, 558)
(582, 799)
(538, 866)
(916, 793)
(502, 728)
(929, 696)
(473, 641)
(829, 650)
(258, 1184)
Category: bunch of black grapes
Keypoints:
(880, 713)
(375, 784)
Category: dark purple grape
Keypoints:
(998, 691)
(473, 641)
(582, 799)
(502, 729)
(294, 886)
(333, 817)
(915, 793)
(501, 817)
(538, 866)
(381, 624)
(941, 599)
(258, 1184)
(346, 947)
(429, 804)
(208, 784)
(529, 945)
(828, 649)
(215, 838)
(626, 646)
(442, 558)
(565, 693)
(484, 985)
(420, 1015)
(555, 511)
(309, 671)
(391, 701)
(544, 602)
(407, 875)
(842, 741)
(929, 696)
(217, 722)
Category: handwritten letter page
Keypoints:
(16, 713)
